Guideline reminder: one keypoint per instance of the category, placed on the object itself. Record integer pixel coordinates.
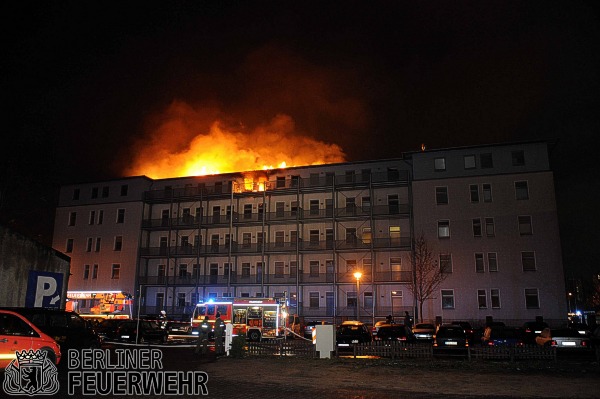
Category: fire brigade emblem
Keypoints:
(31, 373)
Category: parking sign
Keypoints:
(44, 290)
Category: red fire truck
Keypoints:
(255, 318)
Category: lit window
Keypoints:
(470, 162)
(439, 164)
(443, 229)
(447, 299)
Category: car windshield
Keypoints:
(350, 329)
(565, 333)
(451, 332)
(425, 326)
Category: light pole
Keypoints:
(570, 308)
(393, 295)
(357, 275)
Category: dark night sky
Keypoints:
(82, 81)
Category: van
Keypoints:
(67, 328)
(19, 334)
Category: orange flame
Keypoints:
(178, 150)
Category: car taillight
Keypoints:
(402, 339)
(553, 343)
(490, 343)
(584, 343)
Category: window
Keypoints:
(247, 211)
(181, 299)
(366, 204)
(492, 262)
(470, 162)
(182, 270)
(160, 299)
(76, 194)
(279, 269)
(313, 299)
(366, 235)
(441, 195)
(490, 230)
(482, 299)
(69, 246)
(314, 207)
(525, 228)
(495, 298)
(72, 218)
(447, 299)
(98, 242)
(521, 190)
(293, 268)
(350, 265)
(351, 300)
(351, 206)
(279, 238)
(528, 261)
(477, 227)
(532, 301)
(92, 217)
(161, 270)
(445, 263)
(487, 192)
(100, 216)
(124, 190)
(368, 300)
(121, 216)
(118, 243)
(95, 272)
(350, 176)
(195, 272)
(474, 190)
(479, 264)
(486, 160)
(518, 158)
(443, 229)
(439, 164)
(314, 179)
(396, 264)
(115, 272)
(86, 272)
(105, 192)
(313, 237)
(245, 269)
(94, 192)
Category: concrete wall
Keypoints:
(18, 256)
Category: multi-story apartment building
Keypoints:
(301, 233)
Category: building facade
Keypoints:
(301, 233)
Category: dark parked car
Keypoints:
(352, 332)
(502, 336)
(68, 329)
(467, 327)
(107, 329)
(424, 331)
(450, 336)
(141, 330)
(581, 328)
(394, 332)
(532, 329)
(179, 327)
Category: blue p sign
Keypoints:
(44, 290)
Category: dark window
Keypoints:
(521, 190)
(474, 190)
(528, 261)
(470, 162)
(518, 158)
(76, 193)
(439, 164)
(124, 190)
(532, 300)
(486, 160)
(441, 195)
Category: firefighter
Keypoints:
(219, 332)
(202, 343)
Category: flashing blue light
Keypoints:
(211, 300)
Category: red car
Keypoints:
(19, 334)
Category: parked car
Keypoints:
(394, 332)
(67, 328)
(352, 332)
(531, 329)
(581, 328)
(19, 334)
(424, 331)
(107, 329)
(595, 337)
(378, 324)
(179, 327)
(502, 336)
(310, 326)
(142, 331)
(569, 339)
(450, 336)
(467, 327)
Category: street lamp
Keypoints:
(570, 307)
(357, 275)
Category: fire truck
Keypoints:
(255, 318)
